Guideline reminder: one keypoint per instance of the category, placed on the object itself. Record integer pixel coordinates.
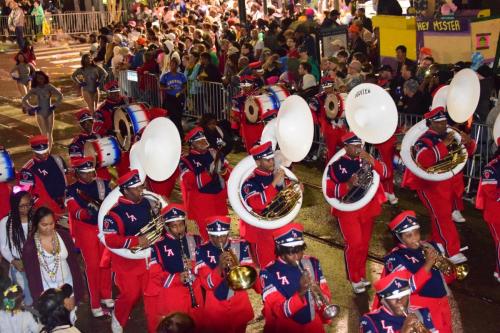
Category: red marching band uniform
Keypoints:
(120, 226)
(285, 310)
(258, 192)
(221, 301)
(7, 176)
(203, 186)
(488, 199)
(166, 289)
(83, 199)
(76, 147)
(428, 289)
(437, 196)
(45, 173)
(356, 226)
(250, 132)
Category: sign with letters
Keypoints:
(453, 25)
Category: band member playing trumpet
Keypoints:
(76, 147)
(45, 173)
(395, 313)
(417, 259)
(120, 227)
(290, 284)
(488, 199)
(214, 261)
(431, 148)
(83, 200)
(204, 173)
(356, 226)
(258, 191)
(172, 285)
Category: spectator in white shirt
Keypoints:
(308, 80)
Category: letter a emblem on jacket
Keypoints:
(388, 329)
(283, 279)
(43, 171)
(168, 251)
(212, 258)
(131, 217)
(412, 259)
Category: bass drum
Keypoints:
(128, 121)
(334, 106)
(105, 151)
(7, 171)
(255, 106)
(349, 207)
(279, 93)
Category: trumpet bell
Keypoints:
(366, 105)
(463, 95)
(241, 277)
(331, 311)
(461, 271)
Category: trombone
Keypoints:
(319, 299)
(238, 277)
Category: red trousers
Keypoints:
(250, 133)
(387, 150)
(495, 233)
(333, 139)
(439, 309)
(131, 288)
(174, 299)
(200, 206)
(98, 279)
(261, 243)
(237, 312)
(288, 325)
(457, 191)
(165, 187)
(356, 229)
(443, 230)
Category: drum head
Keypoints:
(89, 151)
(123, 128)
(331, 106)
(252, 110)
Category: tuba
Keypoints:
(460, 98)
(366, 104)
(239, 277)
(293, 132)
(152, 157)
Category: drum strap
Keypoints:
(60, 164)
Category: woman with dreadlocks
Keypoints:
(14, 229)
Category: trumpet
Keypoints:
(190, 279)
(418, 327)
(445, 266)
(319, 299)
(238, 277)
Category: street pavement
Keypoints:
(478, 297)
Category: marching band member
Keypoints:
(416, 259)
(332, 130)
(436, 196)
(170, 270)
(120, 227)
(387, 150)
(45, 173)
(76, 147)
(83, 200)
(288, 283)
(396, 314)
(103, 116)
(250, 132)
(212, 265)
(204, 173)
(258, 191)
(356, 226)
(488, 199)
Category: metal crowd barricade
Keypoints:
(207, 97)
(141, 87)
(67, 23)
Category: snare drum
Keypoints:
(255, 106)
(7, 171)
(128, 121)
(278, 92)
(106, 151)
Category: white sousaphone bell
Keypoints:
(496, 129)
(293, 132)
(157, 156)
(372, 115)
(460, 99)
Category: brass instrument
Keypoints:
(418, 327)
(94, 203)
(284, 201)
(238, 277)
(365, 181)
(191, 277)
(319, 299)
(153, 231)
(456, 154)
(445, 266)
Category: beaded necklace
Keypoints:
(42, 257)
